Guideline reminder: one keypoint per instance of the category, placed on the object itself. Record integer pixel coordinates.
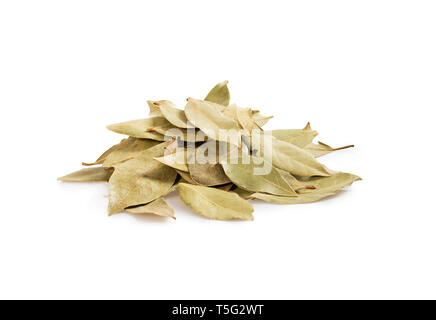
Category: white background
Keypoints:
(362, 72)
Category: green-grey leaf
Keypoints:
(140, 128)
(219, 94)
(140, 180)
(289, 157)
(127, 149)
(158, 207)
(168, 110)
(187, 135)
(210, 120)
(96, 174)
(243, 175)
(208, 174)
(325, 187)
(176, 160)
(298, 137)
(261, 120)
(204, 167)
(214, 203)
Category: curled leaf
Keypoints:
(219, 94)
(154, 110)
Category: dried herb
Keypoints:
(214, 203)
(216, 155)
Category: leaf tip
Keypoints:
(307, 127)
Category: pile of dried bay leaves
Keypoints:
(216, 155)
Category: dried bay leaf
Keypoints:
(177, 160)
(205, 116)
(324, 187)
(153, 152)
(168, 110)
(219, 94)
(321, 149)
(127, 149)
(214, 203)
(298, 137)
(187, 135)
(243, 175)
(96, 174)
(261, 120)
(158, 207)
(105, 154)
(208, 174)
(140, 128)
(177, 150)
(204, 167)
(289, 157)
(140, 180)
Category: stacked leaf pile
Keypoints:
(160, 155)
